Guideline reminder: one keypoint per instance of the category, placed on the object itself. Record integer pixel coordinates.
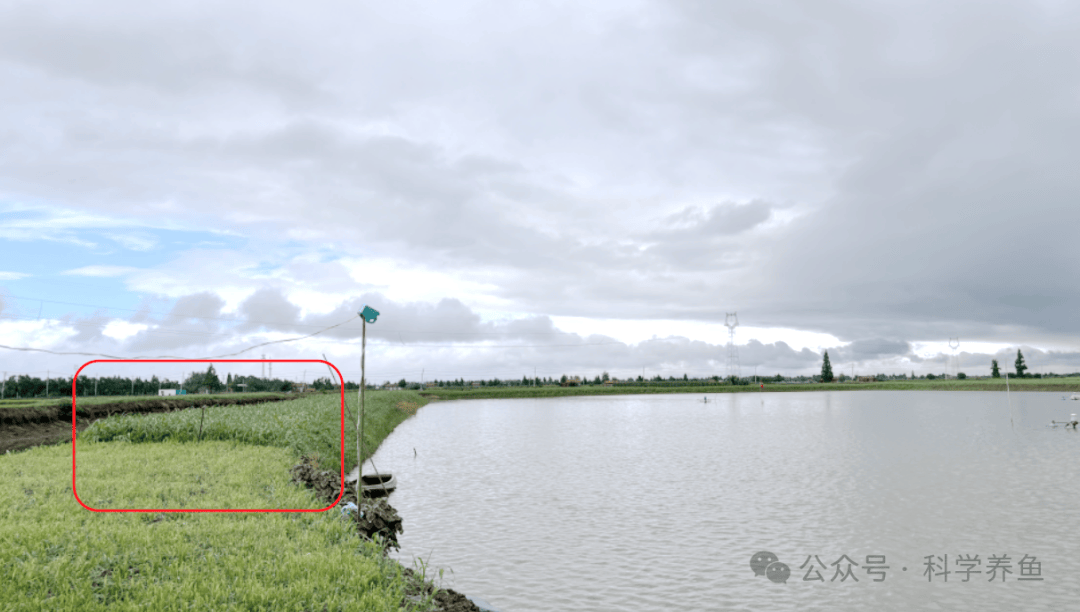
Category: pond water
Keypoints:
(659, 502)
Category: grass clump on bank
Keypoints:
(55, 555)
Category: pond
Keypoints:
(865, 500)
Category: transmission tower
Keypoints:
(954, 343)
(731, 321)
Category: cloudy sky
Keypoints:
(548, 187)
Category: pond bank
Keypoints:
(378, 520)
(166, 560)
(23, 427)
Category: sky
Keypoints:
(540, 188)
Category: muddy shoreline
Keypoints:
(26, 427)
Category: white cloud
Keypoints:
(122, 330)
(134, 242)
(12, 275)
(102, 271)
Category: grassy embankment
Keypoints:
(64, 401)
(1063, 385)
(55, 555)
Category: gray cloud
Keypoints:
(869, 171)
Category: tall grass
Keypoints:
(54, 555)
(309, 426)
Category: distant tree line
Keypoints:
(24, 386)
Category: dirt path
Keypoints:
(24, 427)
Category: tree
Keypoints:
(826, 369)
(961, 376)
(402, 383)
(211, 380)
(1020, 366)
(604, 377)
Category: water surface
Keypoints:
(659, 502)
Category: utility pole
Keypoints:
(373, 314)
(264, 365)
(46, 383)
(3, 386)
(132, 386)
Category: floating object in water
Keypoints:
(1072, 422)
(373, 485)
(377, 485)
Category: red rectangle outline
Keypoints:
(73, 433)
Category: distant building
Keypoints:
(866, 379)
(162, 392)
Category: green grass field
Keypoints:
(56, 555)
(309, 426)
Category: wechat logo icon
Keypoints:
(769, 565)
